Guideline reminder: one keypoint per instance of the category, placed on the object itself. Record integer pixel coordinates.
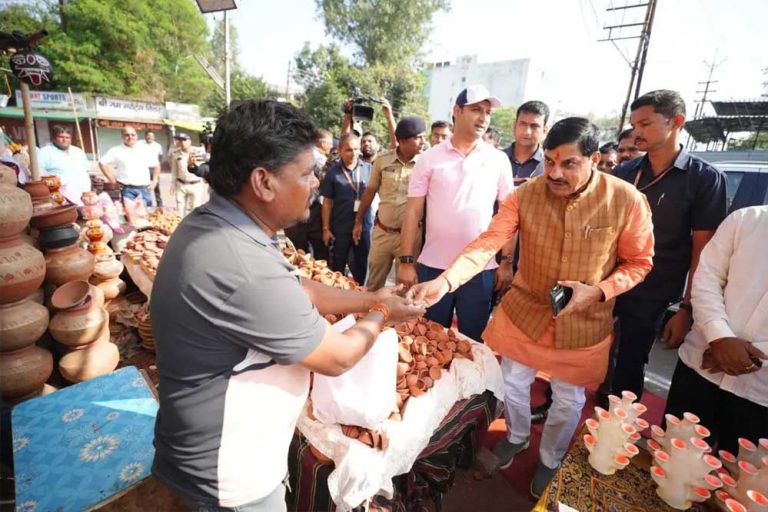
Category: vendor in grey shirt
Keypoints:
(237, 330)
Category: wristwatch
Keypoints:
(509, 258)
(406, 259)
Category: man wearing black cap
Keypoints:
(389, 178)
(185, 186)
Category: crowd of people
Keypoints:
(476, 233)
(466, 233)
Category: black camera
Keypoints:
(361, 110)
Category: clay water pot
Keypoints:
(93, 360)
(22, 269)
(38, 190)
(107, 267)
(15, 210)
(58, 237)
(59, 215)
(7, 176)
(109, 288)
(78, 325)
(24, 371)
(68, 263)
(21, 324)
(70, 295)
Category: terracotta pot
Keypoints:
(54, 217)
(24, 370)
(97, 295)
(68, 264)
(61, 236)
(15, 210)
(37, 189)
(110, 288)
(94, 360)
(38, 296)
(78, 326)
(21, 324)
(22, 269)
(107, 267)
(71, 295)
(7, 176)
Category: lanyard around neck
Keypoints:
(356, 184)
(654, 180)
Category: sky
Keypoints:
(561, 38)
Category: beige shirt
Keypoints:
(390, 177)
(179, 160)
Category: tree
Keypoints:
(242, 87)
(503, 120)
(138, 49)
(328, 79)
(748, 143)
(389, 32)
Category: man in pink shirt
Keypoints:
(457, 183)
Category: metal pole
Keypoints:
(645, 42)
(227, 57)
(77, 119)
(629, 89)
(29, 126)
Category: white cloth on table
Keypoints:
(362, 472)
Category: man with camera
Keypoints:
(581, 230)
(186, 187)
(389, 178)
(356, 110)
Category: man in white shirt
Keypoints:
(156, 150)
(69, 163)
(134, 170)
(722, 376)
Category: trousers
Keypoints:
(563, 418)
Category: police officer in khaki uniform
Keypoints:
(185, 186)
(390, 176)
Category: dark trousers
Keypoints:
(638, 326)
(309, 235)
(727, 416)
(158, 196)
(356, 255)
(472, 302)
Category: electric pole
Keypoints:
(700, 103)
(637, 67)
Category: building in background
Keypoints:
(509, 80)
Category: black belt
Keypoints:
(125, 185)
(188, 182)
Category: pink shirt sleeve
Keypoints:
(477, 254)
(635, 251)
(420, 177)
(506, 183)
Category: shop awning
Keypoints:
(193, 126)
(54, 115)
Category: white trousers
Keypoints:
(562, 420)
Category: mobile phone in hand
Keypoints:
(560, 296)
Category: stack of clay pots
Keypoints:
(81, 326)
(108, 268)
(23, 365)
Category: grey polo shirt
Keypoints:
(231, 322)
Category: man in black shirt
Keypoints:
(688, 202)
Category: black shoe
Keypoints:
(539, 414)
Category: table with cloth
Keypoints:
(580, 487)
(439, 431)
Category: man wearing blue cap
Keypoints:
(389, 178)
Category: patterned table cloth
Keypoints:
(78, 447)
(579, 486)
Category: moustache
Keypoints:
(559, 182)
(313, 197)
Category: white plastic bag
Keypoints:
(365, 395)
